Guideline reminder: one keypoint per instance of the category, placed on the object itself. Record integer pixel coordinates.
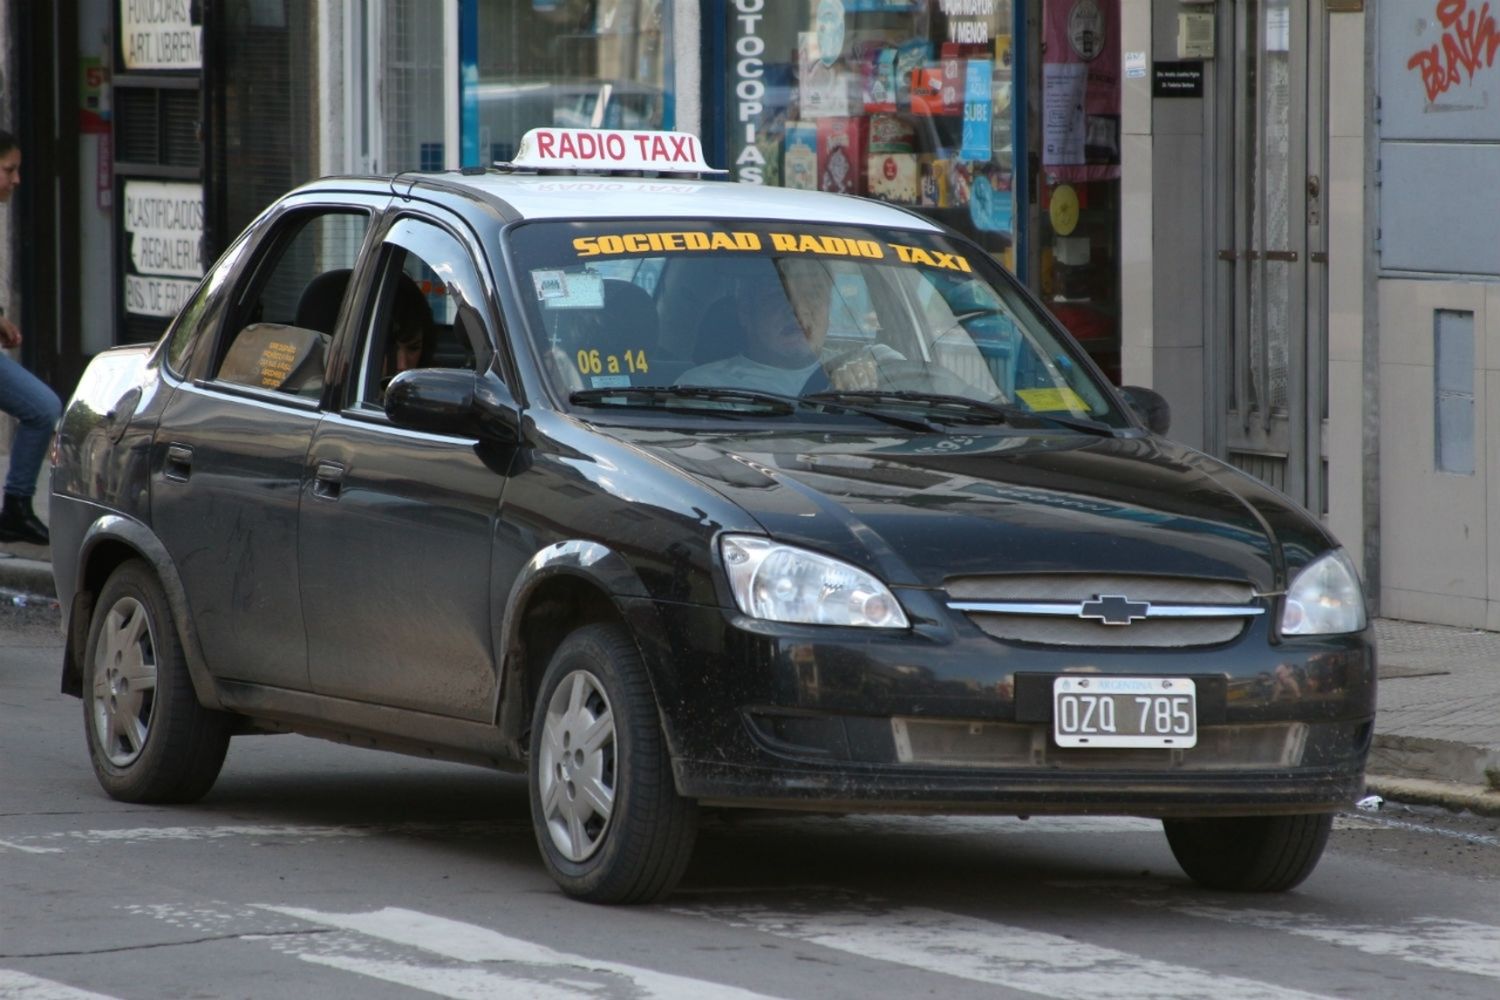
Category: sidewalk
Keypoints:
(1437, 731)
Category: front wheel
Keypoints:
(607, 816)
(1249, 853)
(149, 740)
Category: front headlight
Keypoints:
(781, 583)
(1325, 598)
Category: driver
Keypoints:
(785, 326)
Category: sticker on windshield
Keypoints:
(578, 291)
(550, 284)
(1047, 400)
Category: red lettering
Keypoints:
(644, 143)
(1469, 43)
(544, 144)
(565, 147)
(682, 148)
(614, 146)
(658, 148)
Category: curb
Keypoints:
(1426, 758)
(1451, 795)
(30, 576)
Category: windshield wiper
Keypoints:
(666, 395)
(773, 402)
(964, 409)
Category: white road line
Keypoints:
(458, 983)
(1451, 945)
(470, 943)
(7, 845)
(268, 831)
(999, 954)
(19, 986)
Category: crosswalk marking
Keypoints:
(998, 954)
(55, 843)
(457, 983)
(19, 986)
(470, 943)
(10, 845)
(1451, 945)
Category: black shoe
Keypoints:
(19, 524)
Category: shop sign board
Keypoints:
(159, 34)
(1177, 79)
(163, 223)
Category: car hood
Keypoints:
(918, 510)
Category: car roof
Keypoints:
(604, 196)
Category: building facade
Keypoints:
(1275, 212)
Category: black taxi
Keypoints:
(675, 493)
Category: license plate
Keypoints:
(1092, 711)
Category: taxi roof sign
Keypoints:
(611, 150)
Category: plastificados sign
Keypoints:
(601, 149)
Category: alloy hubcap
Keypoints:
(576, 766)
(124, 682)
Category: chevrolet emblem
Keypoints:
(1114, 609)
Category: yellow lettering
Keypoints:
(904, 252)
(785, 242)
(614, 365)
(586, 246)
(636, 243)
(747, 241)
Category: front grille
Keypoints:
(1045, 609)
(956, 743)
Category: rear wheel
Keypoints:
(607, 816)
(1249, 853)
(149, 740)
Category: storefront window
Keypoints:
(1079, 187)
(924, 103)
(579, 63)
(909, 101)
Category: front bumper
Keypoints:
(946, 718)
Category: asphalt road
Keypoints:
(318, 870)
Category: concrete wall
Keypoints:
(1351, 389)
(1436, 264)
(1166, 228)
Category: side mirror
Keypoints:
(1150, 405)
(433, 399)
(451, 401)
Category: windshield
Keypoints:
(634, 315)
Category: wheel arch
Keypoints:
(109, 542)
(563, 587)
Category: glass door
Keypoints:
(1272, 261)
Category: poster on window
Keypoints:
(1081, 90)
(159, 34)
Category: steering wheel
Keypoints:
(918, 376)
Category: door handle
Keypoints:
(179, 462)
(328, 480)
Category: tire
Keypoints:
(1249, 853)
(149, 740)
(607, 816)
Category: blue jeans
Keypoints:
(36, 406)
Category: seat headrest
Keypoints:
(318, 308)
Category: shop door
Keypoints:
(1272, 262)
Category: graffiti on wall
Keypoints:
(1469, 42)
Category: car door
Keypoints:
(230, 448)
(397, 525)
